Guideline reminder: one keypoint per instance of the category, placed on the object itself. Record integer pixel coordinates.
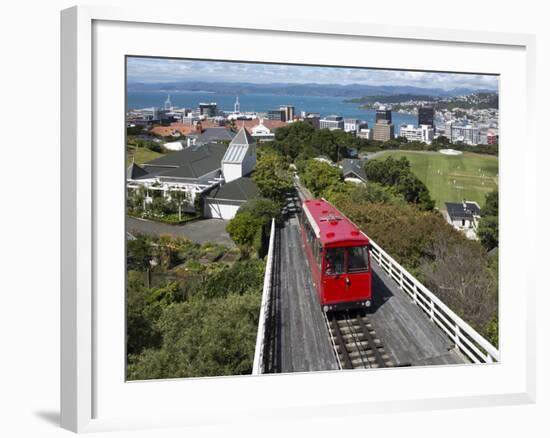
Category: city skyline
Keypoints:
(160, 70)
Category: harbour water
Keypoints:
(325, 105)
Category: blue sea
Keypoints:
(325, 105)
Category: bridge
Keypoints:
(407, 325)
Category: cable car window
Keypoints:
(336, 261)
(358, 259)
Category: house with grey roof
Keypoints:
(240, 157)
(192, 170)
(238, 163)
(353, 170)
(224, 200)
(214, 135)
(221, 173)
(464, 217)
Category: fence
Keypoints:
(469, 342)
(258, 365)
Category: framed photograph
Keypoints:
(258, 209)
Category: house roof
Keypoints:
(180, 128)
(210, 135)
(240, 189)
(135, 172)
(238, 147)
(269, 124)
(193, 162)
(354, 167)
(462, 210)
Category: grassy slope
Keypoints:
(142, 155)
(453, 178)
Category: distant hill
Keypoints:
(310, 89)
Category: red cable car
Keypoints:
(339, 256)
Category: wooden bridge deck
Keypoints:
(303, 342)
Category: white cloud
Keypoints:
(173, 70)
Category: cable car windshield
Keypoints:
(336, 261)
(352, 259)
(358, 259)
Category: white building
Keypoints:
(466, 134)
(261, 132)
(332, 122)
(424, 133)
(173, 145)
(191, 170)
(223, 201)
(221, 174)
(464, 217)
(365, 133)
(351, 125)
(240, 158)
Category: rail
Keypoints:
(474, 346)
(258, 366)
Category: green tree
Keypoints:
(319, 176)
(491, 204)
(263, 208)
(140, 328)
(441, 141)
(202, 338)
(488, 224)
(398, 174)
(139, 253)
(243, 229)
(272, 177)
(487, 232)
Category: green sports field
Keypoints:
(453, 178)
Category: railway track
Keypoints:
(355, 341)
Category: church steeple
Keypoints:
(168, 104)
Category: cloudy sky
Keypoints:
(174, 70)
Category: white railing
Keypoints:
(258, 366)
(474, 346)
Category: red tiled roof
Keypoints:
(165, 131)
(269, 124)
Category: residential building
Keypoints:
(464, 217)
(224, 200)
(238, 162)
(191, 170)
(332, 122)
(240, 157)
(262, 133)
(215, 135)
(271, 125)
(353, 170)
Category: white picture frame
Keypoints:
(85, 374)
